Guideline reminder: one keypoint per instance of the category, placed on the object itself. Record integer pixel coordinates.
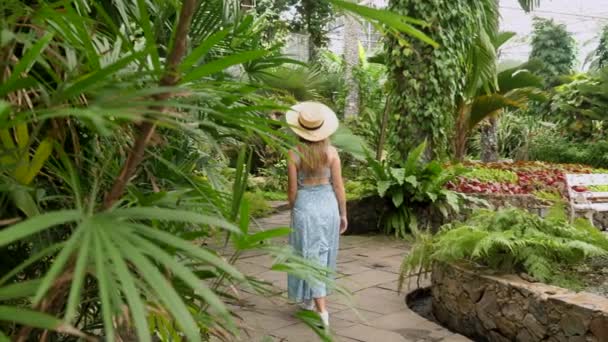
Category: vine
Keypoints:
(427, 81)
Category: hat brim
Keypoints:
(330, 121)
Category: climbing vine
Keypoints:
(427, 80)
(554, 46)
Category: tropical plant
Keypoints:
(509, 240)
(580, 106)
(413, 185)
(514, 88)
(554, 46)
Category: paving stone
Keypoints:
(363, 280)
(277, 279)
(259, 322)
(249, 268)
(358, 316)
(352, 267)
(298, 332)
(380, 300)
(366, 333)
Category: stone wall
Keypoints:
(508, 308)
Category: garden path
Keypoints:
(368, 266)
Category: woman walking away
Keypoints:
(317, 199)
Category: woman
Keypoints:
(316, 196)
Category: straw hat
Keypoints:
(312, 121)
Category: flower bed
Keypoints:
(519, 178)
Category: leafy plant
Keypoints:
(554, 46)
(492, 175)
(509, 241)
(412, 185)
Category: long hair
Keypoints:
(314, 155)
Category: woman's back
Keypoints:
(320, 174)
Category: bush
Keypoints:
(510, 240)
(258, 206)
(557, 149)
(412, 186)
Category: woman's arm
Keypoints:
(292, 179)
(338, 184)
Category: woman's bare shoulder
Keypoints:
(333, 154)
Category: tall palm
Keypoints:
(488, 91)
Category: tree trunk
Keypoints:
(489, 140)
(383, 128)
(351, 57)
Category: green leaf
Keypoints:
(398, 174)
(19, 290)
(36, 319)
(25, 202)
(269, 234)
(82, 262)
(222, 64)
(36, 224)
(383, 186)
(175, 215)
(413, 158)
(201, 51)
(26, 61)
(162, 289)
(412, 180)
(385, 17)
(183, 272)
(103, 282)
(127, 282)
(59, 264)
(189, 248)
(398, 198)
(97, 77)
(40, 156)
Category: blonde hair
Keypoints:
(314, 155)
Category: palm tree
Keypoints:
(488, 92)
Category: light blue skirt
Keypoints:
(315, 223)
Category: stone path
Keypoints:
(368, 266)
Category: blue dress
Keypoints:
(315, 223)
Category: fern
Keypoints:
(510, 240)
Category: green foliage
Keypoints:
(598, 188)
(313, 17)
(413, 185)
(581, 105)
(428, 80)
(510, 240)
(598, 58)
(558, 149)
(258, 206)
(356, 189)
(554, 46)
(492, 175)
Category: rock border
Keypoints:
(507, 308)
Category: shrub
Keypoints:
(258, 206)
(510, 240)
(411, 186)
(557, 149)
